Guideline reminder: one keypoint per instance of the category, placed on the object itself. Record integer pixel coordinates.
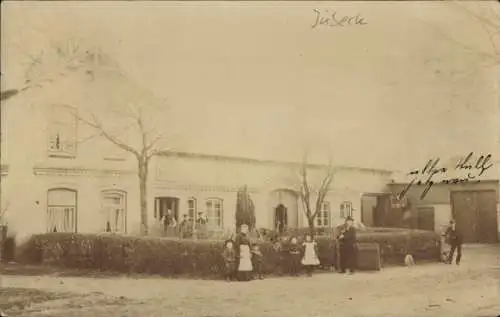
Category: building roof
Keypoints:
(248, 160)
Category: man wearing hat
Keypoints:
(347, 240)
(455, 240)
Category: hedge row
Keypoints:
(200, 258)
(324, 232)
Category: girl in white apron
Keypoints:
(310, 259)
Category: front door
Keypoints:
(280, 218)
(476, 215)
(163, 204)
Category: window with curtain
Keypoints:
(323, 218)
(192, 208)
(346, 209)
(61, 210)
(114, 210)
(214, 212)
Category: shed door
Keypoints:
(476, 215)
(464, 212)
(486, 207)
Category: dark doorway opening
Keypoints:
(167, 211)
(280, 218)
(475, 213)
(425, 218)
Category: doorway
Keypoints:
(283, 207)
(368, 209)
(163, 205)
(475, 214)
(425, 218)
(280, 218)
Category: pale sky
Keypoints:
(257, 80)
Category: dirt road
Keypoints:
(472, 289)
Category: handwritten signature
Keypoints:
(432, 169)
(327, 18)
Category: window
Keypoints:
(323, 218)
(214, 212)
(114, 211)
(346, 209)
(61, 210)
(192, 208)
(62, 131)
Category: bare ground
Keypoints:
(472, 289)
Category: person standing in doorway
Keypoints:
(455, 240)
(169, 223)
(348, 250)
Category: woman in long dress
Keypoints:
(243, 252)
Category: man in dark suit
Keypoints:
(347, 240)
(455, 240)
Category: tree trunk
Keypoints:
(143, 197)
(310, 220)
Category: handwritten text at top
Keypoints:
(472, 168)
(333, 19)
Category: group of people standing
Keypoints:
(244, 261)
(184, 227)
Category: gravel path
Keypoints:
(473, 289)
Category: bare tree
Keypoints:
(142, 153)
(47, 66)
(486, 14)
(131, 106)
(489, 20)
(312, 208)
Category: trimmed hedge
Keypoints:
(200, 258)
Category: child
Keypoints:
(294, 251)
(257, 262)
(281, 247)
(310, 259)
(229, 255)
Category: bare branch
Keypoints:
(305, 190)
(95, 123)
(469, 49)
(324, 187)
(8, 94)
(99, 134)
(483, 20)
(485, 23)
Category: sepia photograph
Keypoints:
(250, 159)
